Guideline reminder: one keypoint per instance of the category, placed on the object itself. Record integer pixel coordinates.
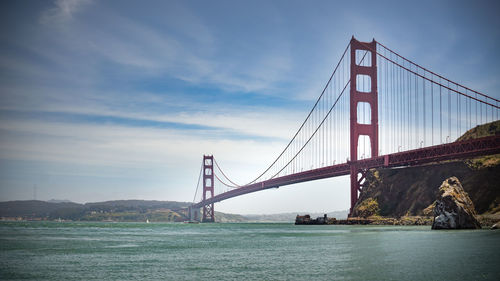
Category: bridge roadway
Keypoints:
(456, 150)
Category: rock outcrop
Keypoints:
(411, 191)
(453, 208)
(366, 208)
(307, 220)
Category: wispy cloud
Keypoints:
(125, 146)
(62, 11)
(192, 53)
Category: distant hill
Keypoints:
(225, 217)
(59, 201)
(120, 210)
(121, 205)
(32, 208)
(127, 210)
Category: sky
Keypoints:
(109, 100)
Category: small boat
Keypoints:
(147, 220)
(191, 222)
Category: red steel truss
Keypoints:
(367, 68)
(437, 153)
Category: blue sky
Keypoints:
(120, 99)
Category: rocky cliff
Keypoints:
(410, 191)
(453, 208)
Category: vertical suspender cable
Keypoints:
(416, 111)
(449, 112)
(432, 109)
(198, 184)
(408, 82)
(392, 107)
(401, 107)
(481, 113)
(458, 112)
(397, 110)
(468, 109)
(440, 115)
(423, 115)
(476, 110)
(387, 100)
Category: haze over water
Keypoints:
(173, 251)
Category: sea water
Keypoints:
(254, 251)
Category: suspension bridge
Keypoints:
(378, 109)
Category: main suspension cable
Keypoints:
(425, 78)
(433, 73)
(322, 121)
(224, 183)
(218, 167)
(307, 118)
(331, 108)
(198, 184)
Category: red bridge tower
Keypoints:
(208, 187)
(368, 68)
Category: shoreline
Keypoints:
(407, 220)
(486, 220)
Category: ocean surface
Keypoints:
(254, 251)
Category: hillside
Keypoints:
(122, 210)
(409, 191)
(225, 217)
(126, 210)
(33, 208)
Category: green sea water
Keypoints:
(176, 251)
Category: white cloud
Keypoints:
(63, 11)
(248, 121)
(126, 147)
(191, 53)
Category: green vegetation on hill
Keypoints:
(368, 208)
(223, 217)
(486, 130)
(122, 210)
(409, 191)
(33, 208)
(127, 210)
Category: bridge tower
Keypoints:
(208, 187)
(369, 69)
(193, 213)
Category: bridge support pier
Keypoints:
(194, 214)
(368, 67)
(208, 187)
(354, 187)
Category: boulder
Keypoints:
(429, 211)
(453, 208)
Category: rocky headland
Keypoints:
(411, 195)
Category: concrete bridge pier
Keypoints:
(194, 214)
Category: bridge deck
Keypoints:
(449, 151)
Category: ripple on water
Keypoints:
(122, 246)
(121, 251)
